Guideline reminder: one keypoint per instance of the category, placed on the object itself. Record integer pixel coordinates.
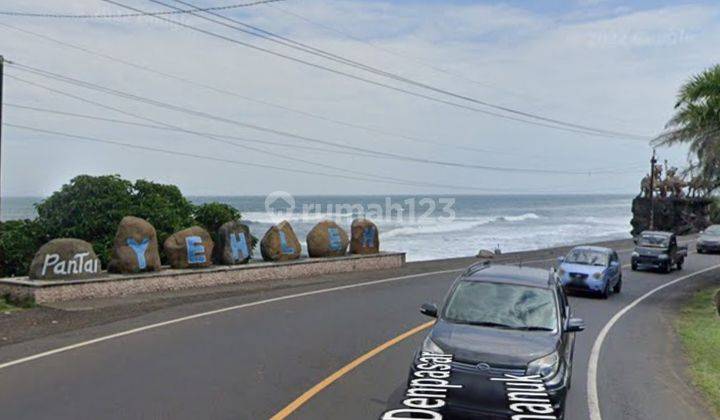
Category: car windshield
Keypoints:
(504, 306)
(653, 241)
(713, 230)
(587, 257)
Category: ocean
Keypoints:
(434, 227)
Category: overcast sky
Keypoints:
(597, 63)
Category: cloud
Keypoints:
(619, 72)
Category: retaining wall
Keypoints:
(111, 285)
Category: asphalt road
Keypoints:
(252, 360)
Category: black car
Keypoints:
(498, 321)
(658, 250)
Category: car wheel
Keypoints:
(618, 286)
(606, 291)
(634, 266)
(666, 268)
(700, 251)
(680, 264)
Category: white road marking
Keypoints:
(234, 308)
(215, 312)
(592, 390)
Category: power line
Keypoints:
(423, 62)
(201, 114)
(273, 37)
(159, 127)
(608, 170)
(253, 100)
(83, 138)
(129, 15)
(559, 125)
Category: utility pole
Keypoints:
(653, 161)
(2, 76)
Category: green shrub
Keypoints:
(87, 208)
(213, 215)
(19, 240)
(163, 206)
(715, 211)
(90, 208)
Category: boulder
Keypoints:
(485, 253)
(280, 243)
(327, 239)
(189, 248)
(364, 237)
(234, 244)
(135, 248)
(65, 259)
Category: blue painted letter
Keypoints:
(368, 237)
(195, 250)
(239, 246)
(335, 240)
(139, 249)
(286, 249)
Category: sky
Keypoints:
(600, 63)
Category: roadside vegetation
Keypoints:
(90, 208)
(5, 306)
(699, 328)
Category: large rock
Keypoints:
(135, 248)
(65, 259)
(280, 243)
(189, 248)
(364, 237)
(485, 253)
(327, 239)
(680, 215)
(234, 244)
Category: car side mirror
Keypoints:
(429, 309)
(561, 259)
(575, 325)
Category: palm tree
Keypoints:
(697, 122)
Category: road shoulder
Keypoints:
(698, 327)
(654, 383)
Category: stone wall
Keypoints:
(680, 215)
(113, 285)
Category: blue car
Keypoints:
(591, 268)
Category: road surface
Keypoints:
(259, 352)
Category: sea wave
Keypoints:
(434, 226)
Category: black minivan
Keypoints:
(498, 321)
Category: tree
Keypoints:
(213, 215)
(87, 208)
(697, 122)
(163, 206)
(19, 241)
(91, 207)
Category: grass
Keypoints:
(5, 306)
(699, 328)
